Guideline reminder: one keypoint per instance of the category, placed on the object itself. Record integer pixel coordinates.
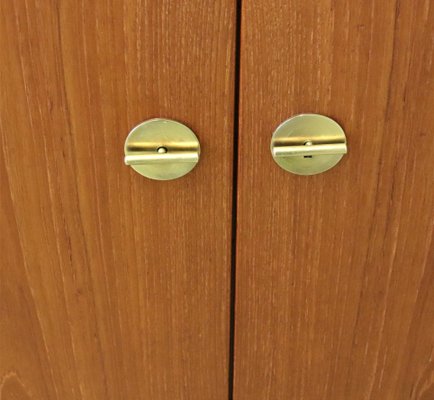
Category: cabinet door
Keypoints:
(335, 272)
(113, 286)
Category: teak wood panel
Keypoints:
(335, 272)
(113, 286)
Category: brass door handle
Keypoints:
(308, 144)
(162, 157)
(162, 149)
(310, 149)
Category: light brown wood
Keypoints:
(113, 286)
(335, 272)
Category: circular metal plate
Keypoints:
(165, 138)
(311, 129)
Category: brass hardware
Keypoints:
(162, 149)
(157, 158)
(308, 144)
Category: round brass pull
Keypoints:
(308, 144)
(162, 149)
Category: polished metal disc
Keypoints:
(162, 149)
(313, 131)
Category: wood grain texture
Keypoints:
(113, 286)
(335, 272)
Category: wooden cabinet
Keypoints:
(335, 272)
(114, 286)
(240, 280)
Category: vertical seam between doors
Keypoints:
(232, 304)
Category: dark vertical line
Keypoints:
(234, 201)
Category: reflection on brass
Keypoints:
(162, 149)
(308, 144)
(158, 158)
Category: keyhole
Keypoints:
(308, 143)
